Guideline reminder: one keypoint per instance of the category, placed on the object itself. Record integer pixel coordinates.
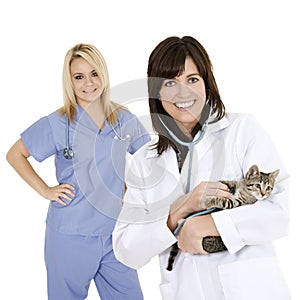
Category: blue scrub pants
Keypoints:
(72, 261)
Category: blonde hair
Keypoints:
(93, 56)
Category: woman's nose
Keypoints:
(183, 90)
(89, 80)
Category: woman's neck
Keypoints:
(96, 112)
(187, 129)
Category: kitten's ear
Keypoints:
(275, 173)
(253, 170)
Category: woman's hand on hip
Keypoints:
(60, 193)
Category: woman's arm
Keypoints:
(266, 220)
(191, 234)
(141, 230)
(191, 202)
(258, 223)
(146, 222)
(17, 157)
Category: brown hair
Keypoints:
(167, 61)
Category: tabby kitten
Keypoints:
(255, 186)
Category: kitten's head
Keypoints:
(260, 184)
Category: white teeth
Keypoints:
(90, 91)
(184, 104)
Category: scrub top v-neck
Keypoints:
(96, 171)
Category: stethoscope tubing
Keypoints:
(190, 146)
(68, 151)
(200, 213)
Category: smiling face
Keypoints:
(183, 97)
(86, 83)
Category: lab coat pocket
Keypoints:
(259, 279)
(166, 291)
(183, 281)
(169, 278)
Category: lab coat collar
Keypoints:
(211, 128)
(217, 126)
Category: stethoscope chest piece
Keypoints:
(68, 153)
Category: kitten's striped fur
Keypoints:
(255, 186)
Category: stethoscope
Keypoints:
(190, 145)
(69, 152)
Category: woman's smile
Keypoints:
(185, 105)
(87, 91)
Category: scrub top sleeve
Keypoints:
(139, 137)
(38, 139)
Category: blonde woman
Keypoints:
(89, 137)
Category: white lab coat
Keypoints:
(249, 270)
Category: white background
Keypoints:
(254, 48)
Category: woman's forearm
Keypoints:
(191, 202)
(193, 231)
(178, 211)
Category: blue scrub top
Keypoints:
(96, 171)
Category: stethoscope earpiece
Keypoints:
(118, 136)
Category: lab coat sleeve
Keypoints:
(265, 220)
(141, 230)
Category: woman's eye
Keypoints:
(94, 74)
(193, 80)
(78, 77)
(169, 83)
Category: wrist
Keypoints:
(173, 220)
(43, 191)
(178, 211)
